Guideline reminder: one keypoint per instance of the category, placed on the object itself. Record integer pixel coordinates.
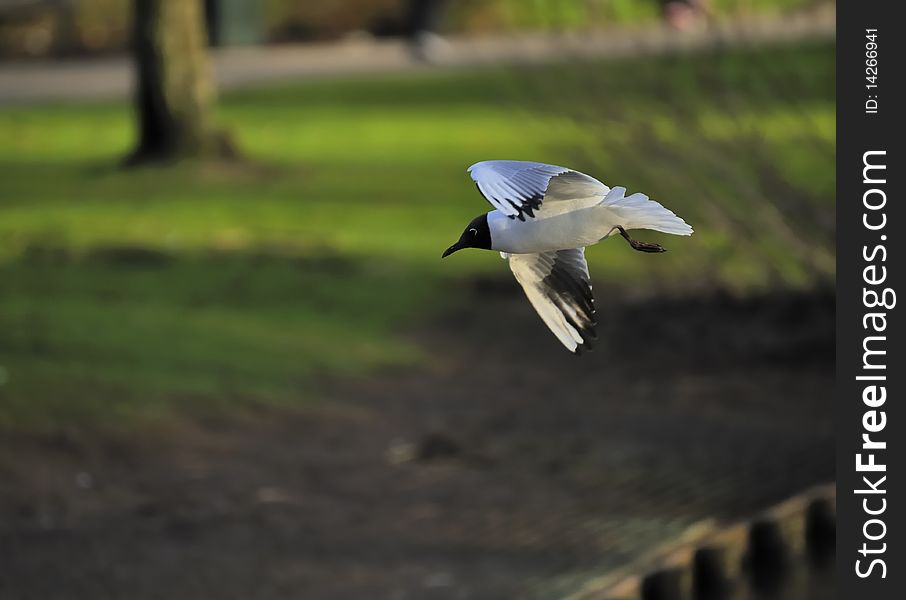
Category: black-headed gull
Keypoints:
(544, 217)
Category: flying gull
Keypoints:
(543, 218)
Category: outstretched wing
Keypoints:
(557, 284)
(518, 188)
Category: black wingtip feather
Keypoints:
(523, 206)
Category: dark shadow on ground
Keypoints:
(507, 469)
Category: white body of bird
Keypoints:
(583, 226)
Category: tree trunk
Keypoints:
(174, 94)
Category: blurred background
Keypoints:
(233, 365)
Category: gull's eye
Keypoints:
(473, 231)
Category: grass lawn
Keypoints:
(187, 289)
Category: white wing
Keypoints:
(518, 188)
(557, 284)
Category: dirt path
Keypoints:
(509, 469)
(78, 79)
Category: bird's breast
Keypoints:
(570, 230)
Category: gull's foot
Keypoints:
(647, 247)
(641, 246)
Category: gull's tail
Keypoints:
(639, 212)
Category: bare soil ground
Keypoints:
(507, 469)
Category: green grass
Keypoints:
(195, 288)
(130, 331)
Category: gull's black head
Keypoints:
(476, 235)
